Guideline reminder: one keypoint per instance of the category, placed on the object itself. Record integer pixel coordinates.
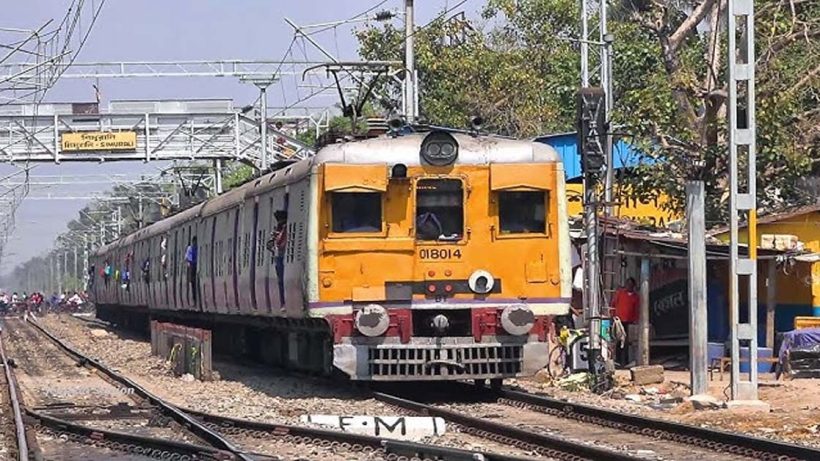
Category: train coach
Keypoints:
(433, 255)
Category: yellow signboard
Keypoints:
(644, 211)
(96, 140)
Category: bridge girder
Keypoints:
(159, 136)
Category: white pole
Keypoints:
(695, 215)
(409, 64)
(584, 44)
(264, 128)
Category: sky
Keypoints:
(177, 30)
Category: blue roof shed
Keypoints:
(566, 144)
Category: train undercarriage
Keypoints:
(307, 345)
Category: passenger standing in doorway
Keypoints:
(163, 262)
(107, 270)
(626, 303)
(277, 244)
(190, 261)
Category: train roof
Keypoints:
(472, 150)
(167, 223)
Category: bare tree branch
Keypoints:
(690, 23)
(805, 80)
(785, 41)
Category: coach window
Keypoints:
(439, 210)
(356, 212)
(522, 212)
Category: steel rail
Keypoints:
(554, 446)
(659, 428)
(19, 426)
(400, 448)
(396, 447)
(108, 439)
(179, 416)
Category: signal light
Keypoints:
(592, 129)
(448, 288)
(448, 272)
(431, 273)
(431, 288)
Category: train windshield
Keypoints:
(439, 210)
(522, 212)
(356, 211)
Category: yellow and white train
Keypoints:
(426, 256)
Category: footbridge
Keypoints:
(141, 130)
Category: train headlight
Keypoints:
(439, 148)
(372, 320)
(517, 320)
(440, 323)
(481, 282)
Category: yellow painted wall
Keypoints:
(801, 284)
(643, 211)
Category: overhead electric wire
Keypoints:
(76, 52)
(364, 13)
(299, 32)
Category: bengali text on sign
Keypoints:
(92, 141)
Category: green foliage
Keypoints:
(516, 69)
(237, 174)
(519, 76)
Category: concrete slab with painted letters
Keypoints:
(392, 427)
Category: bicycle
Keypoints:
(560, 356)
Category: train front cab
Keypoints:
(442, 272)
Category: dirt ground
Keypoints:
(794, 414)
(247, 392)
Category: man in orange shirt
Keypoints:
(626, 303)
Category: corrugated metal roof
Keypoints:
(774, 217)
(666, 242)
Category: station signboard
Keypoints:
(98, 141)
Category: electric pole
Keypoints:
(218, 174)
(591, 142)
(262, 83)
(59, 277)
(119, 222)
(409, 64)
(596, 149)
(76, 267)
(742, 140)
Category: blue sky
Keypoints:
(167, 30)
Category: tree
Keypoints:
(675, 102)
(520, 72)
(518, 76)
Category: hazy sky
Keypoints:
(167, 30)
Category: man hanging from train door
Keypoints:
(190, 261)
(277, 245)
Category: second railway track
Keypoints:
(243, 436)
(528, 425)
(64, 400)
(542, 423)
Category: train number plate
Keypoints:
(439, 253)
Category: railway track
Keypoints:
(62, 397)
(526, 423)
(15, 441)
(243, 433)
(557, 428)
(689, 435)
